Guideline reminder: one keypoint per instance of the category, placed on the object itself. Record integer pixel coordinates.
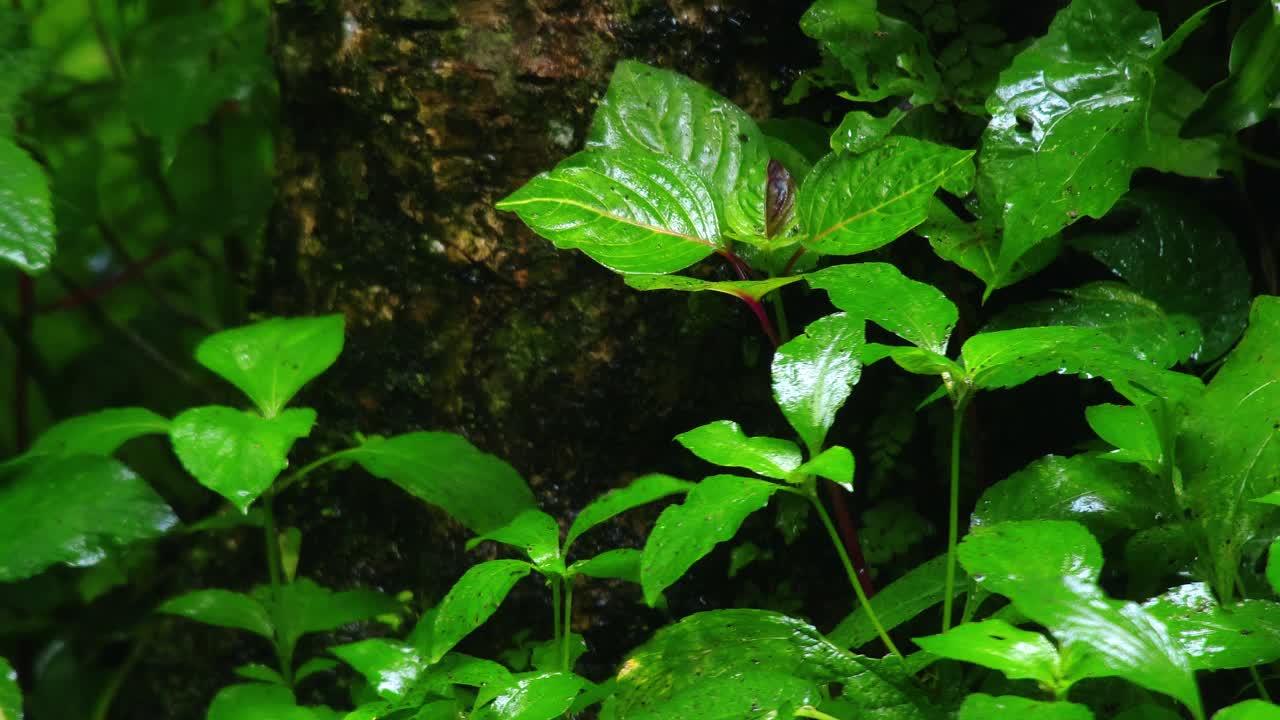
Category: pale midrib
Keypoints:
(910, 191)
(611, 216)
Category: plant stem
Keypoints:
(853, 576)
(102, 708)
(305, 470)
(762, 316)
(791, 261)
(276, 574)
(1257, 681)
(780, 312)
(555, 606)
(739, 266)
(953, 520)
(568, 626)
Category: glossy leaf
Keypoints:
(26, 211)
(10, 693)
(271, 360)
(224, 609)
(98, 433)
(630, 211)
(880, 56)
(1249, 710)
(1273, 565)
(919, 589)
(1019, 654)
(814, 373)
(1184, 259)
(851, 204)
(861, 131)
(621, 564)
(1227, 448)
(711, 513)
(1173, 101)
(472, 600)
(479, 490)
(724, 443)
(257, 701)
(1130, 430)
(535, 533)
(1251, 90)
(390, 667)
(835, 464)
(979, 706)
(74, 510)
(754, 289)
(533, 696)
(642, 491)
(1243, 634)
(303, 607)
(1067, 121)
(237, 454)
(779, 200)
(914, 311)
(975, 246)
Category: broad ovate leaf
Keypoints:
(814, 373)
(535, 533)
(642, 491)
(975, 245)
(1249, 710)
(851, 204)
(724, 443)
(98, 433)
(1019, 654)
(711, 513)
(258, 701)
(74, 510)
(629, 210)
(1130, 430)
(391, 667)
(861, 131)
(303, 607)
(26, 211)
(234, 453)
(271, 360)
(479, 490)
(532, 696)
(223, 608)
(620, 564)
(741, 289)
(835, 464)
(472, 600)
(980, 706)
(1216, 637)
(914, 311)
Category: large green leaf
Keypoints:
(861, 131)
(743, 289)
(629, 210)
(1228, 449)
(975, 246)
(73, 510)
(532, 696)
(1184, 259)
(622, 564)
(835, 464)
(1019, 654)
(901, 600)
(1050, 570)
(1067, 126)
(472, 600)
(479, 490)
(10, 693)
(98, 433)
(1252, 90)
(271, 360)
(224, 609)
(979, 706)
(723, 443)
(1131, 431)
(26, 211)
(814, 373)
(237, 454)
(642, 491)
(1243, 634)
(1249, 710)
(258, 701)
(711, 513)
(914, 311)
(391, 667)
(303, 607)
(854, 203)
(536, 533)
(1174, 100)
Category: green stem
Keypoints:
(102, 708)
(305, 470)
(1257, 681)
(780, 312)
(555, 606)
(568, 626)
(276, 573)
(853, 575)
(953, 520)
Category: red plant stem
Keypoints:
(131, 271)
(791, 261)
(765, 323)
(26, 316)
(849, 533)
(739, 266)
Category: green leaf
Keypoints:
(646, 108)
(257, 701)
(1243, 634)
(861, 131)
(259, 673)
(1273, 565)
(630, 211)
(1251, 90)
(1249, 710)
(742, 289)
(1227, 447)
(711, 514)
(536, 534)
(855, 203)
(835, 464)
(1019, 654)
(876, 55)
(814, 373)
(533, 696)
(391, 668)
(224, 609)
(1132, 320)
(723, 443)
(10, 693)
(74, 510)
(914, 311)
(1130, 430)
(303, 607)
(642, 491)
(472, 600)
(98, 433)
(920, 589)
(979, 706)
(1175, 40)
(1104, 496)
(1184, 259)
(1174, 100)
(314, 666)
(26, 211)
(622, 564)
(21, 66)
(237, 454)
(1067, 124)
(1050, 570)
(975, 246)
(479, 490)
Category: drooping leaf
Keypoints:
(1019, 654)
(975, 246)
(271, 360)
(1130, 430)
(479, 490)
(1251, 90)
(1249, 710)
(74, 510)
(259, 673)
(711, 513)
(851, 204)
(920, 589)
(835, 464)
(390, 667)
(914, 311)
(533, 696)
(980, 706)
(629, 210)
(861, 131)
(1240, 635)
(622, 564)
(1184, 259)
(257, 701)
(536, 534)
(1228, 449)
(224, 609)
(26, 211)
(10, 693)
(314, 666)
(472, 600)
(98, 433)
(814, 373)
(754, 289)
(642, 491)
(723, 443)
(303, 607)
(237, 454)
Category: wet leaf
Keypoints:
(622, 564)
(1251, 90)
(237, 454)
(224, 609)
(271, 360)
(979, 706)
(914, 311)
(533, 696)
(724, 443)
(74, 510)
(1243, 634)
(257, 701)
(1174, 99)
(861, 131)
(390, 667)
(851, 204)
(98, 433)
(711, 513)
(835, 464)
(477, 489)
(814, 373)
(472, 600)
(642, 491)
(1249, 710)
(26, 211)
(1131, 431)
(10, 693)
(879, 56)
(1019, 654)
(536, 534)
(754, 289)
(975, 246)
(919, 589)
